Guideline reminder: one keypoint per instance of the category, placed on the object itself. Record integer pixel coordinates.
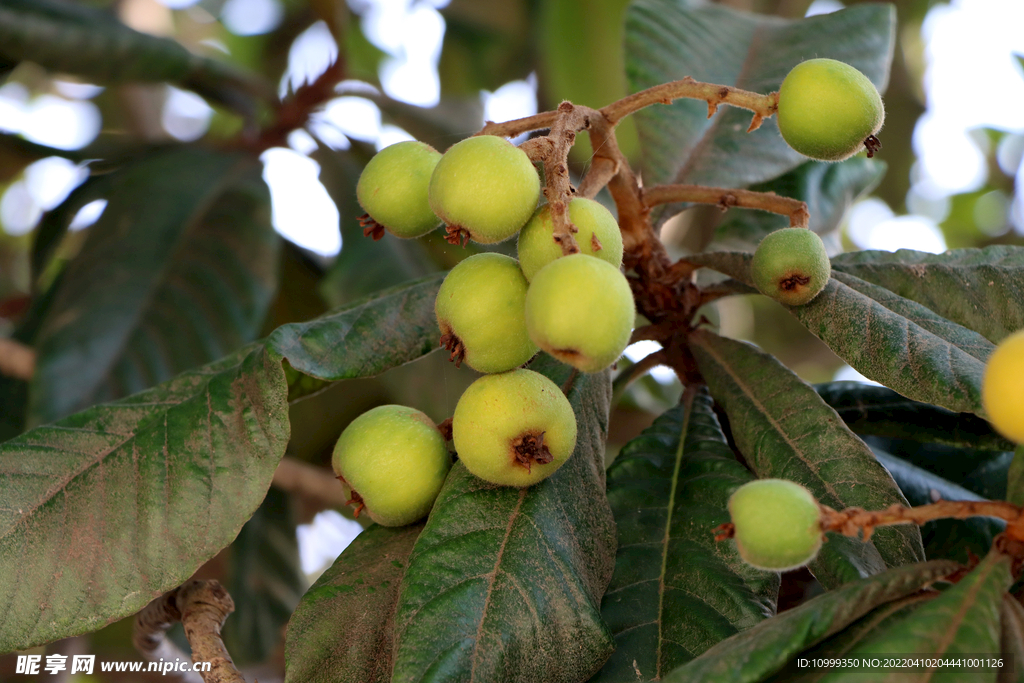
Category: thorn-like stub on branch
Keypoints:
(530, 448)
(595, 244)
(371, 228)
(712, 108)
(872, 144)
(726, 200)
(755, 123)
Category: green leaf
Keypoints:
(989, 283)
(880, 411)
(107, 509)
(676, 591)
(764, 649)
(889, 339)
(367, 337)
(828, 189)
(342, 628)
(839, 644)
(951, 539)
(91, 43)
(505, 584)
(266, 580)
(667, 40)
(177, 272)
(786, 431)
(963, 621)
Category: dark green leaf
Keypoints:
(367, 337)
(988, 283)
(505, 584)
(828, 189)
(764, 649)
(177, 272)
(91, 43)
(676, 591)
(668, 40)
(839, 644)
(342, 629)
(879, 411)
(107, 509)
(963, 621)
(951, 539)
(885, 337)
(54, 224)
(786, 431)
(266, 580)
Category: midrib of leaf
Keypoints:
(954, 625)
(708, 135)
(768, 416)
(491, 580)
(668, 527)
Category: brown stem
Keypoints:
(724, 198)
(294, 112)
(851, 521)
(510, 129)
(763, 106)
(601, 171)
(558, 190)
(315, 484)
(649, 361)
(16, 359)
(201, 607)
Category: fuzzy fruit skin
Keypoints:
(486, 187)
(777, 524)
(1002, 388)
(791, 266)
(392, 188)
(580, 310)
(496, 410)
(827, 109)
(482, 302)
(597, 227)
(396, 459)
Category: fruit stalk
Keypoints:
(724, 198)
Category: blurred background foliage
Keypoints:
(434, 70)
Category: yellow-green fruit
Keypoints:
(777, 524)
(598, 236)
(393, 461)
(791, 266)
(514, 428)
(392, 189)
(484, 189)
(827, 109)
(580, 310)
(1002, 389)
(480, 310)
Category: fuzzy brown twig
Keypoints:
(763, 106)
(201, 607)
(856, 521)
(725, 198)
